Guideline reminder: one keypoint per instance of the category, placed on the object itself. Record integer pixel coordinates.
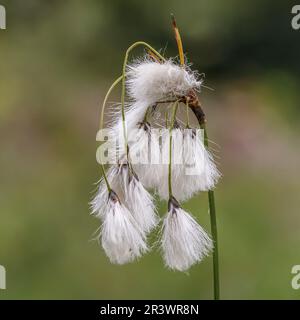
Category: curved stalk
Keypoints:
(115, 83)
(101, 125)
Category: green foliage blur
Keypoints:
(57, 59)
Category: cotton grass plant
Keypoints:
(152, 152)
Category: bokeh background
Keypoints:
(57, 58)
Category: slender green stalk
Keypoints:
(166, 118)
(214, 230)
(211, 198)
(105, 178)
(115, 83)
(170, 148)
(187, 116)
(101, 125)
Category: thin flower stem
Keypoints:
(211, 197)
(105, 178)
(187, 116)
(167, 118)
(170, 148)
(115, 83)
(166, 101)
(214, 230)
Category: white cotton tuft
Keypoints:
(99, 202)
(123, 179)
(147, 83)
(145, 154)
(132, 194)
(177, 143)
(139, 139)
(177, 164)
(150, 81)
(137, 199)
(140, 203)
(152, 177)
(134, 114)
(183, 242)
(199, 168)
(193, 167)
(121, 238)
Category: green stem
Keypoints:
(105, 178)
(167, 118)
(170, 148)
(187, 116)
(214, 230)
(115, 83)
(101, 125)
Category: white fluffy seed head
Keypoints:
(137, 199)
(141, 204)
(132, 194)
(129, 214)
(150, 81)
(183, 242)
(147, 145)
(134, 114)
(193, 167)
(122, 239)
(177, 139)
(139, 144)
(200, 169)
(99, 202)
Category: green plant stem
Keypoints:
(187, 116)
(214, 230)
(170, 148)
(105, 178)
(101, 125)
(115, 83)
(211, 199)
(166, 118)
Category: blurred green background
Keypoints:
(57, 58)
